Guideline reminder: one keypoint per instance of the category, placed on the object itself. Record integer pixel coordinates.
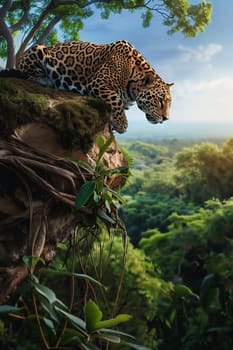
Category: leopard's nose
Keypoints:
(165, 117)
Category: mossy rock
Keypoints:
(76, 118)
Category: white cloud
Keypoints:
(220, 85)
(207, 100)
(200, 54)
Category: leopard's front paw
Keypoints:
(120, 124)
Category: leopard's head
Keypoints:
(154, 98)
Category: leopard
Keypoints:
(116, 73)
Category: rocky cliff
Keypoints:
(44, 135)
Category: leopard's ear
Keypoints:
(149, 79)
(170, 85)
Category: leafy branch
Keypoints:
(49, 313)
(95, 193)
(38, 21)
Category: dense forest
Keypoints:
(173, 276)
(179, 216)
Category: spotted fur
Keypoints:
(116, 73)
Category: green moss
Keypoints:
(19, 106)
(79, 120)
(76, 118)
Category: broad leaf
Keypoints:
(49, 309)
(100, 141)
(112, 322)
(122, 170)
(116, 332)
(183, 291)
(103, 146)
(32, 261)
(85, 193)
(105, 216)
(76, 321)
(208, 291)
(72, 336)
(46, 292)
(70, 274)
(110, 337)
(93, 314)
(49, 324)
(117, 196)
(6, 309)
(82, 164)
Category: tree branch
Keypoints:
(53, 4)
(5, 8)
(48, 29)
(34, 30)
(161, 10)
(22, 20)
(6, 34)
(80, 5)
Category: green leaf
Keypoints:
(46, 292)
(99, 184)
(208, 290)
(110, 337)
(49, 324)
(103, 146)
(76, 321)
(61, 305)
(32, 261)
(71, 336)
(116, 332)
(88, 278)
(146, 18)
(86, 191)
(49, 309)
(112, 322)
(117, 196)
(82, 164)
(107, 205)
(123, 170)
(6, 309)
(93, 317)
(220, 330)
(105, 216)
(100, 141)
(70, 274)
(183, 291)
(93, 314)
(96, 197)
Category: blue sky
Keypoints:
(201, 67)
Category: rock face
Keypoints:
(41, 131)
